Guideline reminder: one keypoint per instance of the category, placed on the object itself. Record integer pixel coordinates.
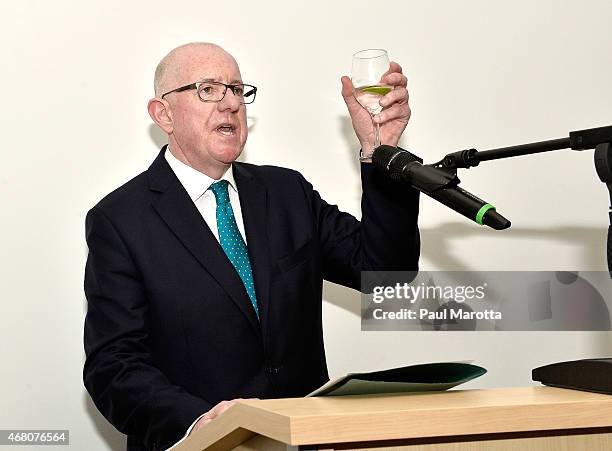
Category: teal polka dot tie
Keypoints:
(231, 241)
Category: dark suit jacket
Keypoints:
(170, 330)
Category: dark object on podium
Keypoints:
(594, 375)
(414, 378)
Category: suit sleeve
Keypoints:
(119, 371)
(386, 238)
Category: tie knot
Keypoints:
(220, 191)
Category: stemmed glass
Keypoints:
(369, 67)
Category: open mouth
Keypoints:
(227, 129)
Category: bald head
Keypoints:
(206, 135)
(170, 71)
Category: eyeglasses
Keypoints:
(213, 91)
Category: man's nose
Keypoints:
(229, 102)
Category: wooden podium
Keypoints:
(526, 419)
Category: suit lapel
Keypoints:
(254, 206)
(183, 218)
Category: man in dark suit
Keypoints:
(204, 275)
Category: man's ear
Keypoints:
(159, 110)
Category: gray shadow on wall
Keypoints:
(603, 343)
(436, 246)
(347, 132)
(158, 136)
(114, 440)
(437, 242)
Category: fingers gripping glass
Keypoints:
(213, 91)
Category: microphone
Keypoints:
(437, 183)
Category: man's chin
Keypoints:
(229, 155)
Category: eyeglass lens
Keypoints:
(214, 92)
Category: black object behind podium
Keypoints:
(594, 375)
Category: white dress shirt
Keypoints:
(196, 184)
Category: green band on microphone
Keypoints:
(482, 212)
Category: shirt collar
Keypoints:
(195, 182)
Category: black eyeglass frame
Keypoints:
(233, 87)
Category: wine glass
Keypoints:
(369, 67)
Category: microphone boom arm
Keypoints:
(599, 139)
(578, 140)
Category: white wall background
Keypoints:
(76, 76)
